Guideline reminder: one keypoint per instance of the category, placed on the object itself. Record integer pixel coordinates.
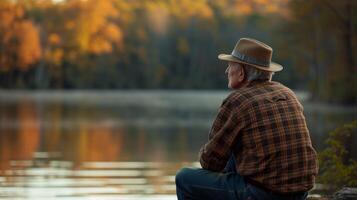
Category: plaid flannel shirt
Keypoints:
(263, 126)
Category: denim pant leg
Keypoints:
(205, 184)
(255, 193)
(195, 183)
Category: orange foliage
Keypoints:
(247, 7)
(244, 9)
(19, 39)
(54, 39)
(78, 27)
(112, 33)
(28, 47)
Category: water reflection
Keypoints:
(18, 143)
(38, 179)
(82, 145)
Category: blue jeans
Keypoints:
(194, 184)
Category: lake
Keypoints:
(114, 144)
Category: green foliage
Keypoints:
(337, 166)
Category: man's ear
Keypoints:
(241, 73)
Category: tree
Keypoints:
(322, 35)
(338, 167)
(19, 39)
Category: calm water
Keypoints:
(113, 144)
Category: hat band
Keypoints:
(250, 60)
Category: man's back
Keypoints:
(273, 147)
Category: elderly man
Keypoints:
(259, 146)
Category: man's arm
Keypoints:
(216, 152)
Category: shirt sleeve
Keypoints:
(222, 137)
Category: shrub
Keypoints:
(338, 168)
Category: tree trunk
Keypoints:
(347, 37)
(349, 59)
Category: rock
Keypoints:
(316, 197)
(347, 193)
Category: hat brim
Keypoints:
(274, 67)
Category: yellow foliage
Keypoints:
(97, 26)
(100, 45)
(272, 8)
(185, 9)
(93, 30)
(125, 13)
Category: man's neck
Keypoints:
(256, 82)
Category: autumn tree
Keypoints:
(174, 43)
(74, 34)
(19, 38)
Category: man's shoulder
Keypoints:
(237, 97)
(254, 89)
(282, 86)
(285, 90)
(255, 92)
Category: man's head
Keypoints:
(239, 74)
(250, 60)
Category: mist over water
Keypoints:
(114, 144)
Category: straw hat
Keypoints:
(253, 53)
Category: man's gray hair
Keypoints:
(253, 73)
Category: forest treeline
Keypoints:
(173, 44)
